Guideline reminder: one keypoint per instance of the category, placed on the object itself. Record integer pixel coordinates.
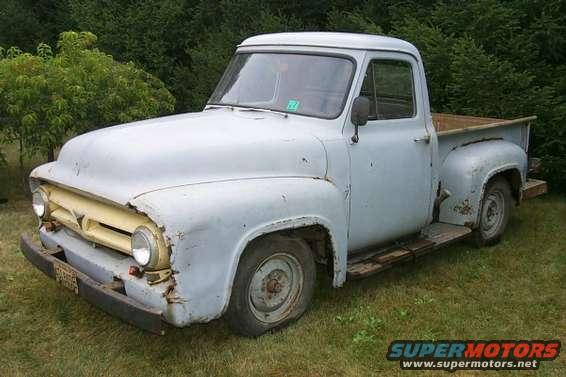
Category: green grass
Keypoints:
(13, 181)
(515, 290)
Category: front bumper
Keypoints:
(106, 296)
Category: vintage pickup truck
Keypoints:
(315, 148)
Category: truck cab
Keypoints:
(314, 148)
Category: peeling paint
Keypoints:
(464, 208)
(299, 177)
(170, 294)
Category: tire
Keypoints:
(274, 285)
(494, 213)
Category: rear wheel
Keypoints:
(273, 286)
(494, 212)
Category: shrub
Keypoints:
(45, 97)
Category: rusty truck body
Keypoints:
(315, 148)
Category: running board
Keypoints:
(432, 237)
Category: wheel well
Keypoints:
(513, 177)
(316, 236)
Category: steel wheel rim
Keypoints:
(275, 287)
(492, 213)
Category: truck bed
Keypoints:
(449, 124)
(456, 130)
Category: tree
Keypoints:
(22, 85)
(46, 98)
(355, 21)
(485, 85)
(154, 34)
(186, 43)
(435, 48)
(212, 51)
(26, 23)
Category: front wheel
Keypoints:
(273, 286)
(494, 212)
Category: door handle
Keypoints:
(424, 139)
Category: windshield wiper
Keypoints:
(215, 107)
(284, 115)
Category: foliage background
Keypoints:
(503, 58)
(47, 97)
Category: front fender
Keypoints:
(466, 171)
(209, 225)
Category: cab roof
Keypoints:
(332, 40)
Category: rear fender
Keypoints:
(466, 172)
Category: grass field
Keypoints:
(515, 290)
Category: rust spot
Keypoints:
(135, 271)
(52, 226)
(170, 296)
(169, 292)
(180, 235)
(168, 239)
(464, 208)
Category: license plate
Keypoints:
(66, 276)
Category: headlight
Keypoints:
(144, 247)
(39, 203)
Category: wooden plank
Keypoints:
(419, 244)
(432, 238)
(363, 269)
(448, 124)
(533, 188)
(393, 256)
(441, 233)
(445, 122)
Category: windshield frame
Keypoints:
(294, 52)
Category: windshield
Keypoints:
(313, 85)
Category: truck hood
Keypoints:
(122, 162)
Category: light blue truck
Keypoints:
(315, 148)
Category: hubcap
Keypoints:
(275, 287)
(492, 213)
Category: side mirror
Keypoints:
(360, 114)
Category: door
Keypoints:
(391, 168)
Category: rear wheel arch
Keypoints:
(515, 180)
(494, 208)
(512, 175)
(466, 172)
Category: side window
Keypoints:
(368, 90)
(389, 86)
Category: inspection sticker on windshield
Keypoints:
(293, 105)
